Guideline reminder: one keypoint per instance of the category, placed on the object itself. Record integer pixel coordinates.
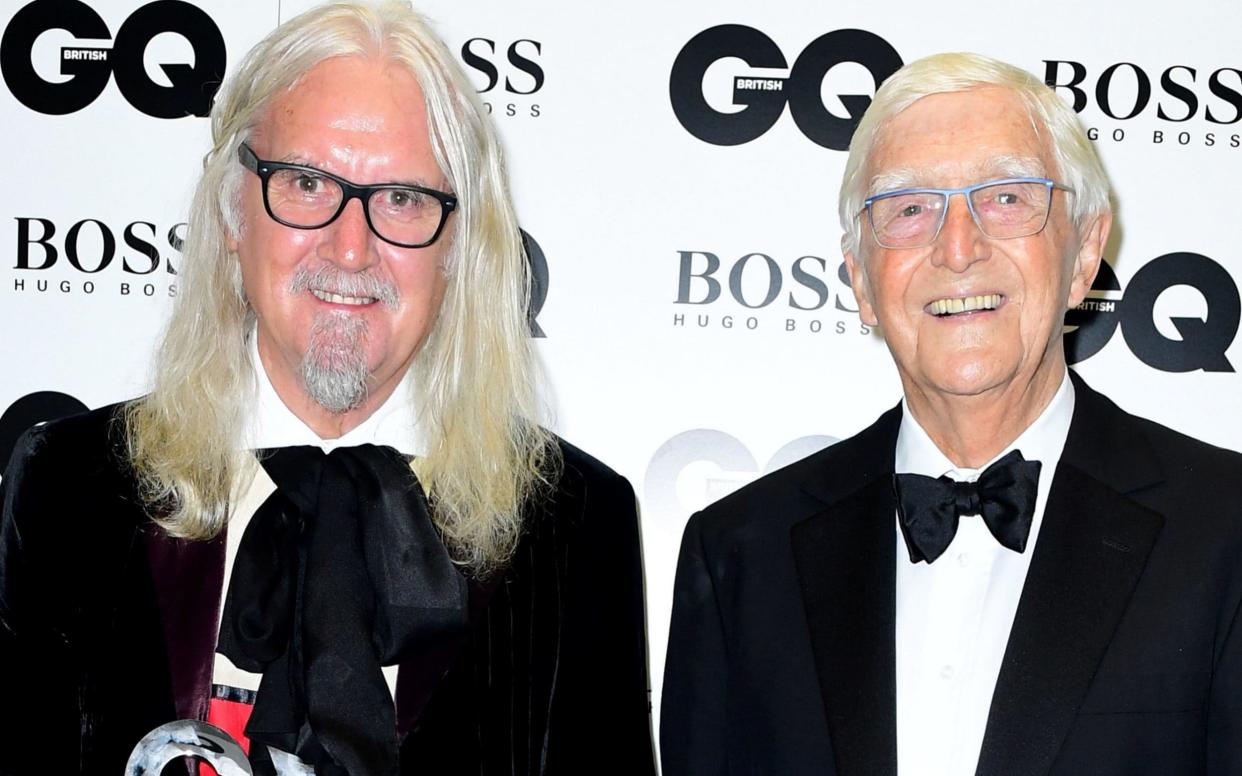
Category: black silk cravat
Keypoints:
(1004, 496)
(339, 572)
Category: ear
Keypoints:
(1090, 254)
(858, 282)
(230, 240)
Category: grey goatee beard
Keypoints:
(334, 369)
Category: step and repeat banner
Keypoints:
(675, 168)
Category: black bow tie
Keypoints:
(1004, 496)
(339, 572)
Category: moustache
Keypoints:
(333, 280)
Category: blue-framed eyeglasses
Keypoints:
(309, 198)
(1003, 209)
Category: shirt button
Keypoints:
(963, 559)
(946, 672)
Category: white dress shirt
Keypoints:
(271, 424)
(954, 615)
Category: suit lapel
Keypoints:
(1092, 549)
(187, 577)
(845, 558)
(188, 581)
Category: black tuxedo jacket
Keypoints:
(107, 627)
(1125, 656)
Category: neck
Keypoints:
(973, 429)
(325, 424)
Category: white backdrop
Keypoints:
(687, 396)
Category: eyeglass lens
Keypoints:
(1002, 211)
(403, 215)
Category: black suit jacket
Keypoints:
(1125, 656)
(107, 627)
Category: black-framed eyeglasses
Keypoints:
(1003, 209)
(309, 198)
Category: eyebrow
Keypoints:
(892, 180)
(303, 161)
(1004, 166)
(1014, 166)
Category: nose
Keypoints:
(961, 242)
(348, 241)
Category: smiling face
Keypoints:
(969, 315)
(341, 313)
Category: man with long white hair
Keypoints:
(333, 529)
(1006, 574)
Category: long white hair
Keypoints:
(474, 380)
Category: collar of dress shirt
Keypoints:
(272, 424)
(1042, 441)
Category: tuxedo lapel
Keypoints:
(845, 558)
(187, 577)
(1091, 550)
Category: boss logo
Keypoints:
(513, 70)
(762, 98)
(520, 56)
(1124, 90)
(190, 88)
(761, 284)
(90, 245)
(756, 280)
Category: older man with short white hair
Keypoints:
(1006, 574)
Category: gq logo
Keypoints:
(723, 465)
(537, 266)
(762, 99)
(29, 410)
(190, 88)
(1197, 342)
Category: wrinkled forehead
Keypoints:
(993, 168)
(957, 139)
(352, 94)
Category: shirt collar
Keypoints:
(272, 424)
(1042, 441)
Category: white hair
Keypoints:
(1079, 166)
(475, 374)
